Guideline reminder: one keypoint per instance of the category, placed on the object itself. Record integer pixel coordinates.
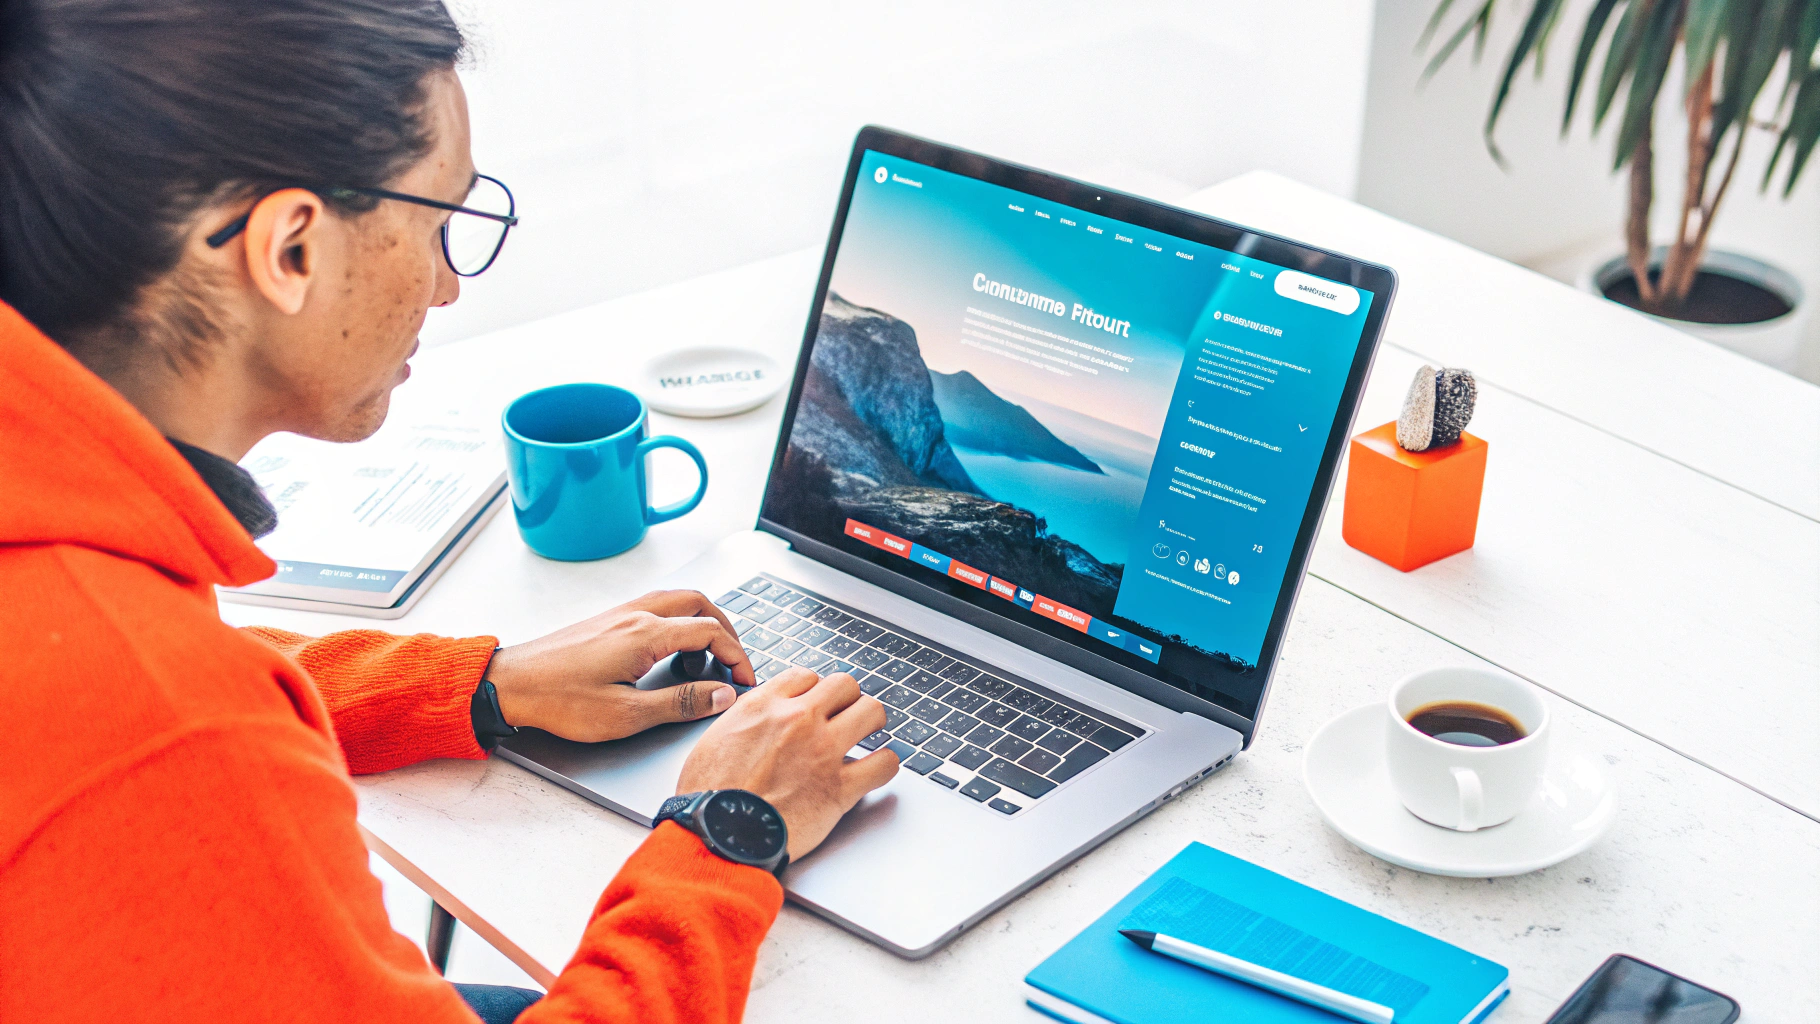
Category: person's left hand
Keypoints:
(574, 682)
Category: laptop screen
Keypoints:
(1099, 430)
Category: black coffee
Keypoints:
(1467, 724)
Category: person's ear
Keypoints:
(284, 246)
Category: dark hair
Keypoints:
(119, 119)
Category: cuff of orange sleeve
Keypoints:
(463, 664)
(679, 855)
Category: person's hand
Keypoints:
(787, 742)
(573, 682)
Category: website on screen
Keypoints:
(1107, 428)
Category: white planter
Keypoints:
(1775, 342)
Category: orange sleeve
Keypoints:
(247, 896)
(394, 700)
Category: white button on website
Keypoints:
(1317, 291)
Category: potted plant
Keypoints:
(1730, 50)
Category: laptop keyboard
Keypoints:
(958, 722)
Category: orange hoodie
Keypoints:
(177, 836)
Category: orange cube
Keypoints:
(1407, 509)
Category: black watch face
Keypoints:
(744, 826)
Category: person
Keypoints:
(219, 220)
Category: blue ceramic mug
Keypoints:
(575, 454)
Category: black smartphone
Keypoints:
(1625, 990)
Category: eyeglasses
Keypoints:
(471, 239)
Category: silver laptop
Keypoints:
(1052, 463)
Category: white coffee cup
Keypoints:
(1465, 788)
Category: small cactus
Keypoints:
(1437, 409)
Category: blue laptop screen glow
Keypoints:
(1111, 431)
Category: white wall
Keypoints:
(649, 143)
(1558, 206)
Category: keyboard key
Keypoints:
(980, 789)
(1020, 698)
(991, 686)
(761, 613)
(1057, 715)
(923, 764)
(930, 711)
(1028, 728)
(760, 639)
(1082, 726)
(1084, 757)
(864, 632)
(781, 622)
(985, 735)
(997, 714)
(873, 685)
(943, 745)
(941, 690)
(921, 682)
(758, 660)
(743, 626)
(1009, 775)
(781, 597)
(833, 618)
(731, 595)
(898, 697)
(931, 659)
(868, 658)
(838, 666)
(765, 674)
(894, 645)
(1058, 741)
(785, 648)
(913, 733)
(813, 660)
(942, 780)
(1111, 738)
(740, 603)
(1003, 806)
(876, 740)
(897, 671)
(960, 673)
(1039, 761)
(966, 700)
(756, 585)
(795, 628)
(806, 607)
(904, 751)
(841, 647)
(815, 636)
(959, 723)
(971, 757)
(894, 718)
(1011, 747)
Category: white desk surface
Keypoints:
(1584, 535)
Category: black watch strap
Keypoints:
(489, 722)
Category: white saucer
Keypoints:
(710, 381)
(1344, 771)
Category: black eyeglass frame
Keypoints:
(509, 218)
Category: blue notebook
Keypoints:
(1216, 900)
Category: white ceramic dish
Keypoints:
(704, 382)
(1344, 771)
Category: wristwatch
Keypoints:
(733, 824)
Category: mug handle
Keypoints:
(653, 516)
(1472, 798)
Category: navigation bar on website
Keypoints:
(1149, 650)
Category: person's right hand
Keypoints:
(787, 742)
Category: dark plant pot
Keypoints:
(1749, 306)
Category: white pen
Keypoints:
(1286, 985)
